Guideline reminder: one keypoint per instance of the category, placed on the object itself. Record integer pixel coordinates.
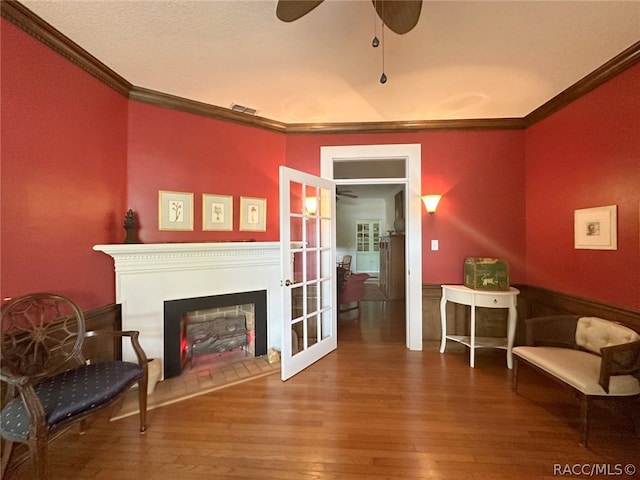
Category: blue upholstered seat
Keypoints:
(68, 394)
(43, 334)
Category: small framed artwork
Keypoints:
(217, 212)
(175, 210)
(399, 205)
(253, 214)
(596, 228)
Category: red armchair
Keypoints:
(350, 290)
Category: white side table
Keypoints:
(480, 298)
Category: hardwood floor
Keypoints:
(370, 410)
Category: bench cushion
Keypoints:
(577, 368)
(593, 333)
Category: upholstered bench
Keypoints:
(597, 358)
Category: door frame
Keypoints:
(412, 154)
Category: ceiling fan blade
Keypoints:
(399, 15)
(346, 193)
(290, 10)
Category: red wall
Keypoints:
(481, 177)
(63, 173)
(76, 156)
(482, 211)
(176, 151)
(586, 155)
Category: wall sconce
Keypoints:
(310, 205)
(431, 202)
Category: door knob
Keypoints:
(288, 283)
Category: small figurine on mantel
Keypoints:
(130, 227)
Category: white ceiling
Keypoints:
(478, 59)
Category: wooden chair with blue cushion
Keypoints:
(49, 384)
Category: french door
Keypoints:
(308, 264)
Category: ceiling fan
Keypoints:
(400, 16)
(345, 193)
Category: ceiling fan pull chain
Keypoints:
(383, 77)
(375, 41)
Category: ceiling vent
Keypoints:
(242, 109)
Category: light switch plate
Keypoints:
(434, 245)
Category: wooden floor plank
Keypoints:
(370, 410)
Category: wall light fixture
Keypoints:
(311, 205)
(431, 202)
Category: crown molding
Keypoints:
(613, 67)
(407, 126)
(165, 100)
(173, 102)
(30, 23)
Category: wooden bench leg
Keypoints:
(634, 411)
(584, 404)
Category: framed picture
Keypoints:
(217, 212)
(253, 214)
(175, 210)
(596, 228)
(399, 205)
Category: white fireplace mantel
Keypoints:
(147, 275)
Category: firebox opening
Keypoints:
(195, 327)
(217, 330)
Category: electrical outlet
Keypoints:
(434, 245)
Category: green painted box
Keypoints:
(481, 273)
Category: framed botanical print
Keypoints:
(175, 210)
(217, 212)
(253, 214)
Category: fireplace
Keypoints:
(149, 277)
(215, 332)
(175, 328)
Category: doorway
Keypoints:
(362, 165)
